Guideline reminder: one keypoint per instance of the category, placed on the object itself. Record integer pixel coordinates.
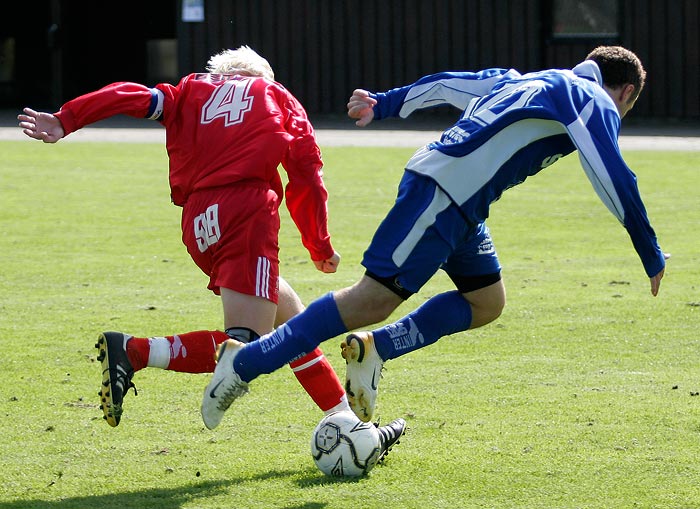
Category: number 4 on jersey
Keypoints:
(230, 101)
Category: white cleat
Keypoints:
(225, 386)
(363, 371)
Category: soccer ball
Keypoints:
(344, 446)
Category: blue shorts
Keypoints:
(425, 231)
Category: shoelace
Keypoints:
(122, 378)
(233, 392)
(131, 386)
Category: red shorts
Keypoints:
(232, 234)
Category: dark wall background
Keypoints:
(322, 49)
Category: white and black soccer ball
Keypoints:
(344, 446)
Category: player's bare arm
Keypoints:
(41, 126)
(360, 107)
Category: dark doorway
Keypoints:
(54, 50)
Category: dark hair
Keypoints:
(619, 66)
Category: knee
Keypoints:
(365, 303)
(485, 314)
(487, 304)
(375, 306)
(379, 308)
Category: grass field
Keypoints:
(584, 394)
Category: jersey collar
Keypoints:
(589, 69)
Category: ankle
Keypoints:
(135, 352)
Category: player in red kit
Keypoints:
(227, 131)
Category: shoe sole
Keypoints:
(354, 351)
(112, 413)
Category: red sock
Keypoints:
(317, 377)
(137, 350)
(193, 352)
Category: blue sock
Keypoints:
(300, 335)
(446, 313)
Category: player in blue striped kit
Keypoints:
(512, 126)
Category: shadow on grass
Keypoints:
(314, 477)
(161, 498)
(321, 480)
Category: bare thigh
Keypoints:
(241, 310)
(289, 304)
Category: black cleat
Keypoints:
(389, 436)
(117, 373)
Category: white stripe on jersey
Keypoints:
(482, 163)
(439, 203)
(593, 164)
(262, 278)
(454, 91)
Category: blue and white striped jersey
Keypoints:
(513, 126)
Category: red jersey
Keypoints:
(222, 129)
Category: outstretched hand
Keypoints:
(41, 126)
(656, 283)
(329, 265)
(360, 107)
(656, 280)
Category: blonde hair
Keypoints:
(243, 61)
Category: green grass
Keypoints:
(582, 395)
